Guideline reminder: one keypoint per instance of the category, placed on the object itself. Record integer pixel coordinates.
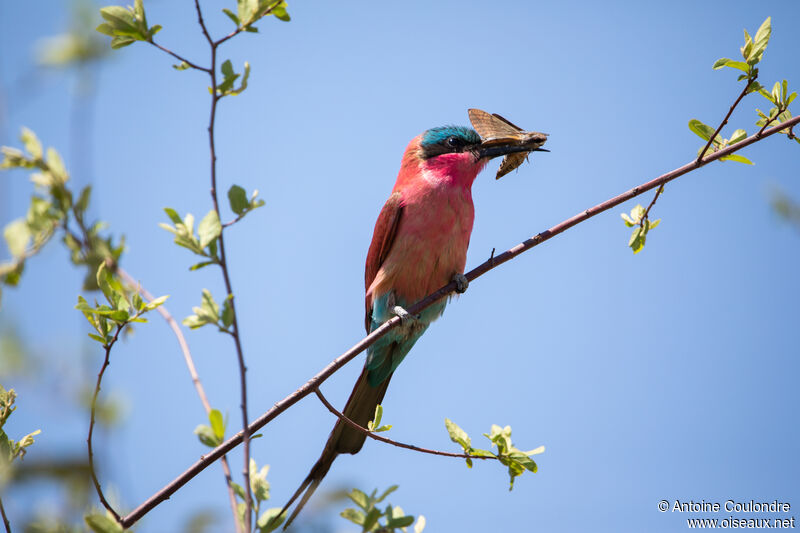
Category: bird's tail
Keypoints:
(360, 409)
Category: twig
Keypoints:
(198, 385)
(308, 387)
(179, 58)
(5, 518)
(771, 120)
(652, 203)
(97, 488)
(725, 120)
(377, 437)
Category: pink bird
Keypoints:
(419, 244)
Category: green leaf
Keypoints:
(18, 236)
(457, 435)
(359, 498)
(231, 16)
(371, 519)
(229, 77)
(386, 493)
(32, 144)
(201, 264)
(653, 224)
(207, 436)
(628, 220)
(217, 425)
(270, 520)
(636, 242)
(156, 302)
(357, 517)
(281, 13)
(227, 312)
(376, 421)
(760, 42)
(735, 157)
(120, 19)
(243, 85)
(403, 521)
(737, 136)
(182, 66)
(121, 42)
(725, 62)
(238, 489)
(238, 199)
(100, 523)
(173, 215)
(702, 130)
(209, 228)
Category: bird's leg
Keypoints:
(406, 318)
(461, 282)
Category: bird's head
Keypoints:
(454, 153)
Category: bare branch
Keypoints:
(313, 383)
(106, 362)
(6, 523)
(179, 58)
(377, 437)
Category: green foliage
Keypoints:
(639, 235)
(126, 25)
(515, 459)
(375, 423)
(271, 519)
(229, 77)
(705, 132)
(248, 12)
(780, 97)
(214, 434)
(371, 518)
(752, 53)
(240, 203)
(204, 243)
(10, 450)
(209, 313)
(53, 208)
(80, 45)
(102, 523)
(123, 307)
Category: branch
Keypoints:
(179, 58)
(97, 488)
(725, 120)
(6, 523)
(493, 262)
(377, 437)
(187, 356)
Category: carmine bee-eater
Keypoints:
(419, 245)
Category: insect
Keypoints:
(495, 129)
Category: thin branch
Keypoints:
(97, 488)
(652, 203)
(725, 120)
(203, 25)
(377, 437)
(198, 385)
(6, 523)
(308, 388)
(770, 121)
(179, 58)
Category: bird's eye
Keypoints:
(453, 141)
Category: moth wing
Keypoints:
(511, 162)
(491, 126)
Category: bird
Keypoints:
(419, 244)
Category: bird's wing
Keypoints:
(382, 240)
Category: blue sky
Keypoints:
(666, 375)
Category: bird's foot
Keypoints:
(406, 318)
(461, 282)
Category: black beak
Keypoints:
(496, 150)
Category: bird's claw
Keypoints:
(406, 318)
(462, 283)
